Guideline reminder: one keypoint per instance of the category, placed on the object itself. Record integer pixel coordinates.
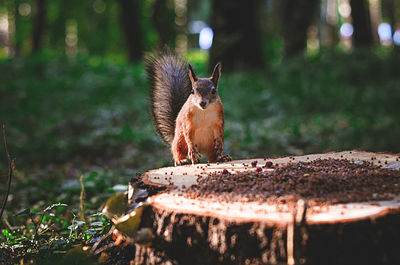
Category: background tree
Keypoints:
(296, 18)
(362, 36)
(61, 10)
(237, 36)
(39, 24)
(21, 27)
(243, 31)
(389, 13)
(163, 20)
(131, 27)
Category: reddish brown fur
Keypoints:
(186, 110)
(183, 145)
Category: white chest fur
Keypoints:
(203, 123)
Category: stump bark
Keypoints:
(190, 230)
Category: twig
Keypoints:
(109, 233)
(82, 198)
(7, 223)
(103, 248)
(10, 170)
(35, 224)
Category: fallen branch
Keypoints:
(10, 170)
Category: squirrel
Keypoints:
(187, 111)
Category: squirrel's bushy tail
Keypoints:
(170, 87)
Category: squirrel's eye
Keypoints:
(213, 90)
(192, 91)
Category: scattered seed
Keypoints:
(268, 164)
(320, 182)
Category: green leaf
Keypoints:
(120, 188)
(96, 224)
(92, 176)
(116, 206)
(54, 205)
(96, 214)
(7, 234)
(59, 241)
(23, 211)
(75, 225)
(128, 224)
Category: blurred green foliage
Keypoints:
(89, 116)
(92, 110)
(332, 101)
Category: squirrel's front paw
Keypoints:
(193, 154)
(181, 162)
(218, 146)
(225, 158)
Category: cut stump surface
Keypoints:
(264, 232)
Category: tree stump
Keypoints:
(191, 229)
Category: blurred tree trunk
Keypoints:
(18, 36)
(237, 36)
(39, 25)
(130, 22)
(328, 32)
(56, 28)
(389, 11)
(163, 18)
(392, 17)
(297, 17)
(362, 36)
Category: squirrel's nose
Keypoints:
(203, 104)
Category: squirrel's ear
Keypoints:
(192, 75)
(216, 73)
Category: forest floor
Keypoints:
(83, 122)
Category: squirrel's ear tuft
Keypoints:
(216, 73)
(192, 75)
